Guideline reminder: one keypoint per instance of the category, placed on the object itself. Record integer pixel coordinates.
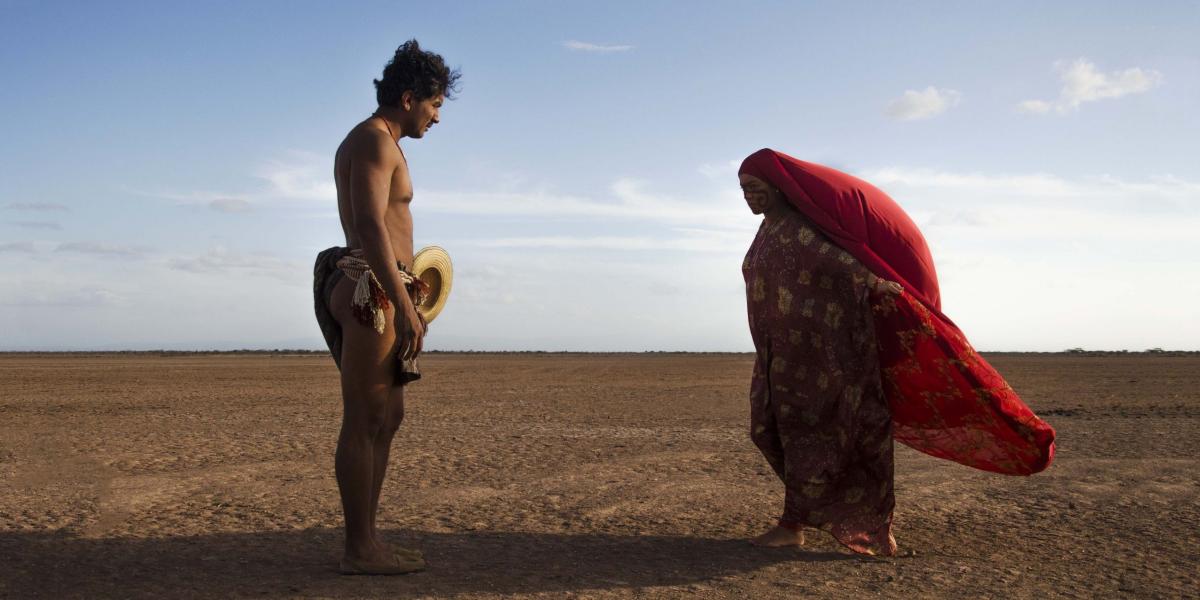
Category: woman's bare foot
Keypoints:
(890, 546)
(779, 537)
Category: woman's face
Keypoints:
(760, 196)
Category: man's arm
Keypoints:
(370, 186)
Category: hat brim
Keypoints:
(432, 265)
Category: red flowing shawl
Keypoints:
(946, 400)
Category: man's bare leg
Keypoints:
(394, 417)
(363, 404)
(383, 447)
(368, 426)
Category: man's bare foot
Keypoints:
(400, 551)
(385, 563)
(779, 537)
(406, 553)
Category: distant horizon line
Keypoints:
(1069, 351)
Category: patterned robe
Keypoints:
(818, 412)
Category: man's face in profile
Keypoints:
(424, 114)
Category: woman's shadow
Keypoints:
(303, 563)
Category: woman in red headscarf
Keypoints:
(852, 350)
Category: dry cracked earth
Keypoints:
(563, 476)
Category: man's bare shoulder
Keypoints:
(369, 143)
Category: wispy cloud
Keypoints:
(579, 46)
(300, 176)
(1158, 212)
(922, 104)
(37, 206)
(102, 249)
(45, 294)
(1039, 184)
(305, 177)
(230, 205)
(222, 260)
(191, 198)
(36, 224)
(1151, 196)
(628, 199)
(1083, 82)
(1035, 107)
(296, 177)
(689, 240)
(723, 172)
(23, 247)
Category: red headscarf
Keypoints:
(946, 400)
(857, 216)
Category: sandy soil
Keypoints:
(603, 476)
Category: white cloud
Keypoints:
(145, 304)
(689, 241)
(230, 205)
(302, 176)
(1036, 107)
(221, 260)
(24, 247)
(597, 48)
(1153, 196)
(197, 198)
(37, 206)
(722, 172)
(298, 176)
(46, 294)
(102, 249)
(1028, 185)
(628, 200)
(37, 224)
(1083, 82)
(923, 104)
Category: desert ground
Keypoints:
(563, 475)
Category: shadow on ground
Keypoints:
(303, 563)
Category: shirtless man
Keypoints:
(364, 296)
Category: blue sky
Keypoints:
(165, 167)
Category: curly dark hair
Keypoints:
(422, 72)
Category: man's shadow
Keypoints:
(304, 563)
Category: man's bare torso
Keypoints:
(398, 219)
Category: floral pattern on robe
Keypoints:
(818, 412)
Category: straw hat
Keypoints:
(432, 265)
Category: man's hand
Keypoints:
(411, 329)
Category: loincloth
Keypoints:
(368, 303)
